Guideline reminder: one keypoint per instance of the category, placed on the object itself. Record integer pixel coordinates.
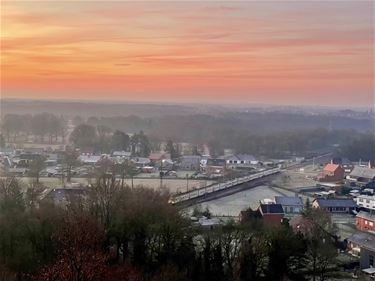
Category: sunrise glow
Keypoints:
(295, 53)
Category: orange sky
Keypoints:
(318, 53)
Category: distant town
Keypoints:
(300, 180)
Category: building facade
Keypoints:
(335, 205)
(366, 201)
(365, 221)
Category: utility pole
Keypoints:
(161, 173)
(187, 182)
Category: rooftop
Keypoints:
(363, 240)
(348, 203)
(271, 209)
(289, 200)
(331, 167)
(368, 197)
(215, 162)
(366, 215)
(363, 172)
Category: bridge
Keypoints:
(221, 189)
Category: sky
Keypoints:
(270, 52)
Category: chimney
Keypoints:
(331, 161)
(369, 164)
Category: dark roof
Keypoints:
(341, 161)
(216, 162)
(289, 200)
(271, 209)
(326, 203)
(366, 215)
(364, 240)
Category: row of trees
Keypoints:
(120, 233)
(102, 139)
(40, 125)
(361, 147)
(280, 144)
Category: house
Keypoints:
(345, 163)
(332, 173)
(89, 159)
(141, 161)
(272, 214)
(122, 154)
(362, 176)
(365, 221)
(291, 204)
(363, 244)
(366, 201)
(335, 205)
(240, 160)
(24, 160)
(159, 156)
(190, 162)
(186, 148)
(209, 223)
(165, 164)
(215, 167)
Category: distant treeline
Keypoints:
(40, 125)
(262, 134)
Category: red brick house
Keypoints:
(365, 221)
(332, 173)
(272, 214)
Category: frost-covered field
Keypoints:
(232, 205)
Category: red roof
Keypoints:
(331, 167)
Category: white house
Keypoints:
(241, 160)
(366, 201)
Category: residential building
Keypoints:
(335, 205)
(332, 173)
(122, 154)
(215, 167)
(366, 201)
(362, 176)
(190, 162)
(345, 163)
(363, 244)
(89, 159)
(241, 160)
(291, 204)
(159, 156)
(272, 214)
(365, 221)
(141, 161)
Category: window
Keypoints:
(366, 222)
(371, 223)
(371, 260)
